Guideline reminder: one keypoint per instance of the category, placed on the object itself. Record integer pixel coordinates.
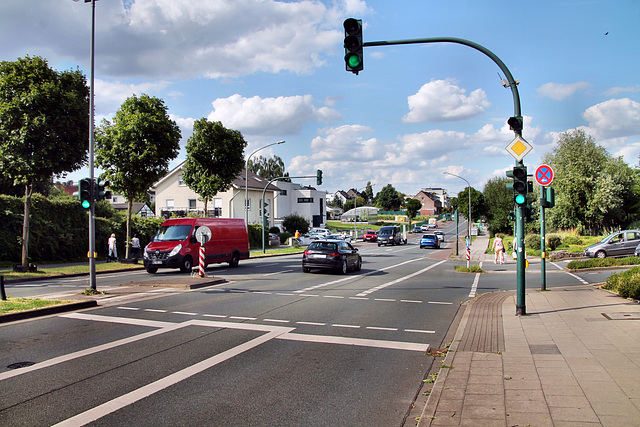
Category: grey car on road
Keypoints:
(620, 243)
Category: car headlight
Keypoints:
(176, 250)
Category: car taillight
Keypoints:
(334, 254)
(307, 253)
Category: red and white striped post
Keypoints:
(201, 269)
(468, 252)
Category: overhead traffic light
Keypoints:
(520, 186)
(319, 177)
(353, 54)
(84, 192)
(99, 192)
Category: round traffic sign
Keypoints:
(203, 234)
(544, 175)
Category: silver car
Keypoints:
(621, 243)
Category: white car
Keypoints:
(424, 227)
(320, 231)
(306, 239)
(344, 237)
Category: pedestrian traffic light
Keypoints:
(100, 193)
(319, 177)
(353, 54)
(84, 192)
(520, 186)
(548, 199)
(512, 216)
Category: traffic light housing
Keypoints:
(515, 124)
(520, 186)
(265, 208)
(353, 47)
(84, 192)
(548, 199)
(319, 177)
(100, 192)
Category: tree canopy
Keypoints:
(594, 191)
(215, 157)
(477, 203)
(268, 168)
(388, 198)
(499, 203)
(44, 125)
(135, 150)
(413, 207)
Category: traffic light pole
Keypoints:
(543, 253)
(92, 210)
(521, 262)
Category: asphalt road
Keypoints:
(271, 346)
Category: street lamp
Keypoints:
(246, 182)
(468, 185)
(355, 212)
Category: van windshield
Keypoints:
(385, 232)
(171, 233)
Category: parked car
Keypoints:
(424, 227)
(416, 230)
(616, 244)
(370, 236)
(274, 240)
(390, 235)
(439, 234)
(175, 245)
(306, 239)
(320, 231)
(429, 240)
(331, 254)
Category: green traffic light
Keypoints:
(353, 60)
(520, 199)
(86, 204)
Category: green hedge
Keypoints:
(604, 262)
(626, 284)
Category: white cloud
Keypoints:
(614, 118)
(269, 116)
(618, 89)
(559, 91)
(442, 100)
(111, 95)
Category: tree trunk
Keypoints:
(204, 214)
(28, 188)
(127, 244)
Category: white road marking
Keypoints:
(384, 299)
(381, 328)
(401, 279)
(184, 313)
(153, 310)
(411, 301)
(474, 286)
(338, 325)
(129, 308)
(332, 296)
(276, 320)
(419, 331)
(393, 345)
(219, 316)
(440, 302)
(311, 323)
(242, 318)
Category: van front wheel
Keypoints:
(187, 264)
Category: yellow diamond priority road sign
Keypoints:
(518, 148)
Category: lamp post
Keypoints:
(355, 213)
(246, 182)
(469, 186)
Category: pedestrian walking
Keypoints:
(498, 248)
(135, 246)
(113, 251)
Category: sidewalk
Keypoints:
(573, 360)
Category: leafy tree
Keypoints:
(369, 192)
(477, 203)
(336, 202)
(44, 126)
(134, 151)
(388, 198)
(413, 207)
(350, 204)
(499, 203)
(593, 190)
(215, 157)
(268, 168)
(294, 222)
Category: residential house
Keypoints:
(431, 204)
(341, 195)
(172, 196)
(304, 201)
(140, 209)
(441, 193)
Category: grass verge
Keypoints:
(71, 269)
(604, 262)
(14, 305)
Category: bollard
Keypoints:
(3, 295)
(201, 263)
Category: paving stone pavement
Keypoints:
(573, 360)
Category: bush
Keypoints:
(605, 262)
(626, 284)
(572, 240)
(274, 230)
(532, 241)
(294, 222)
(553, 241)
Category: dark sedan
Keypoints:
(331, 254)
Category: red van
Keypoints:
(175, 244)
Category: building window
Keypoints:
(283, 192)
(305, 199)
(192, 204)
(170, 204)
(180, 182)
(217, 207)
(247, 204)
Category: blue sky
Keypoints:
(275, 71)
